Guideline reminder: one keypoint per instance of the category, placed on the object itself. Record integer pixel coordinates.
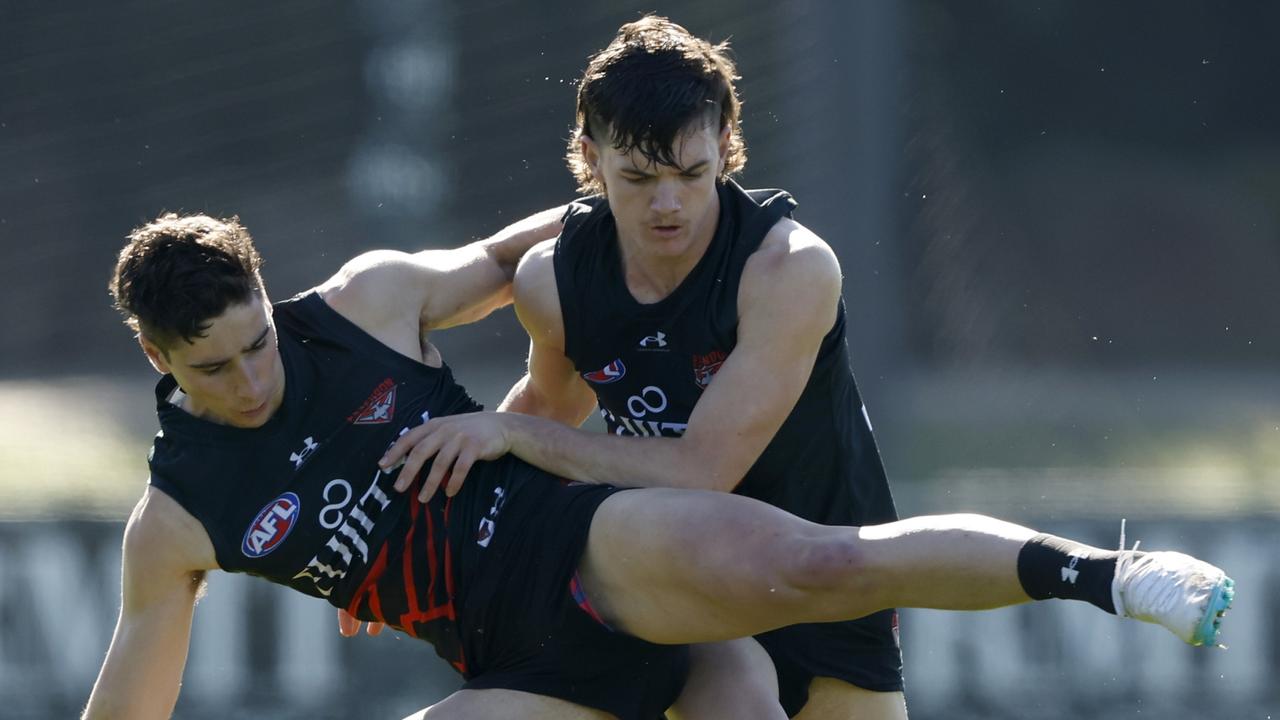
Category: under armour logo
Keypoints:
(658, 340)
(1069, 572)
(298, 458)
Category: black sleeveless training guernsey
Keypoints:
(649, 363)
(300, 501)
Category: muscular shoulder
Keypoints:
(792, 262)
(365, 289)
(163, 536)
(536, 271)
(537, 297)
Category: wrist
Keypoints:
(515, 432)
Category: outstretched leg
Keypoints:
(674, 566)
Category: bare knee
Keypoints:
(835, 560)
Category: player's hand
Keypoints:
(456, 442)
(348, 626)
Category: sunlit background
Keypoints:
(1058, 224)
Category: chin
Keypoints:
(672, 247)
(240, 420)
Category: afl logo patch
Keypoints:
(272, 526)
(612, 372)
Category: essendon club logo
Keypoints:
(272, 525)
(485, 533)
(380, 406)
(612, 372)
(706, 366)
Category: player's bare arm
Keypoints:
(398, 297)
(787, 303)
(166, 552)
(552, 387)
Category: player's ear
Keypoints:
(155, 354)
(591, 156)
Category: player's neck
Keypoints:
(654, 270)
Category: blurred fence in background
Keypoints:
(1057, 222)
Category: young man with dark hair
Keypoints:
(553, 599)
(703, 319)
(667, 276)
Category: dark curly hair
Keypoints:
(646, 87)
(178, 272)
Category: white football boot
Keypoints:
(1185, 595)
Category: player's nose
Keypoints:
(666, 198)
(249, 384)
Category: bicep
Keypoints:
(785, 313)
(459, 286)
(552, 388)
(553, 380)
(155, 577)
(468, 283)
(433, 289)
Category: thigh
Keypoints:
(505, 705)
(733, 680)
(681, 566)
(674, 566)
(831, 699)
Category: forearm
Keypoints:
(140, 678)
(509, 244)
(601, 458)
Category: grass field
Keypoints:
(73, 447)
(76, 447)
